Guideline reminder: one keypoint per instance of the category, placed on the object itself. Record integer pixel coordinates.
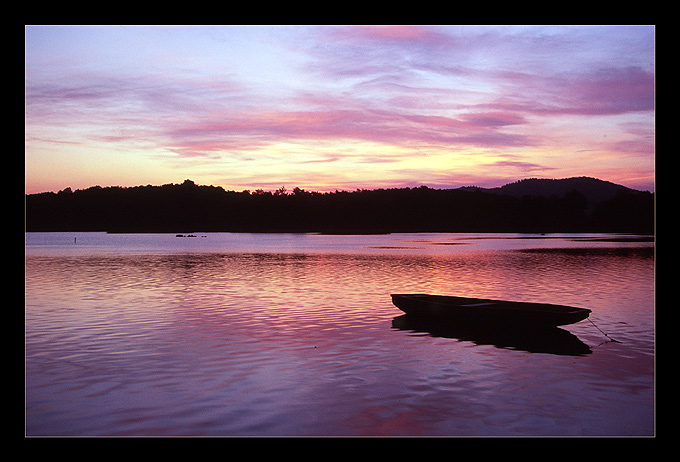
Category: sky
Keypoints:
(328, 108)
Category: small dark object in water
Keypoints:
(479, 311)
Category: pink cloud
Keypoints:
(494, 119)
(250, 131)
(524, 167)
(600, 92)
(393, 34)
(613, 91)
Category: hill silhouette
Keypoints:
(595, 191)
(532, 205)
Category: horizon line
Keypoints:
(287, 191)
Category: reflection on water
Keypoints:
(293, 335)
(552, 341)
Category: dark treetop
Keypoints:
(531, 206)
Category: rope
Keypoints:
(615, 341)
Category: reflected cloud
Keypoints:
(554, 341)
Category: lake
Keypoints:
(295, 335)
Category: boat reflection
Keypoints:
(550, 340)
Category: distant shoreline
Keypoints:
(625, 237)
(528, 206)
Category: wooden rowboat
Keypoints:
(480, 311)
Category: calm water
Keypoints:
(242, 334)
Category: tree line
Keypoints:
(187, 207)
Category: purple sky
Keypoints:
(327, 108)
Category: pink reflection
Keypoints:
(248, 343)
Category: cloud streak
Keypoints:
(247, 131)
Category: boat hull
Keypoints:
(478, 311)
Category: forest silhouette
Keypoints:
(527, 206)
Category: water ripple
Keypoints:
(302, 343)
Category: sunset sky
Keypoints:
(328, 107)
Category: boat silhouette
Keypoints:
(468, 311)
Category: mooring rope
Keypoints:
(603, 332)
